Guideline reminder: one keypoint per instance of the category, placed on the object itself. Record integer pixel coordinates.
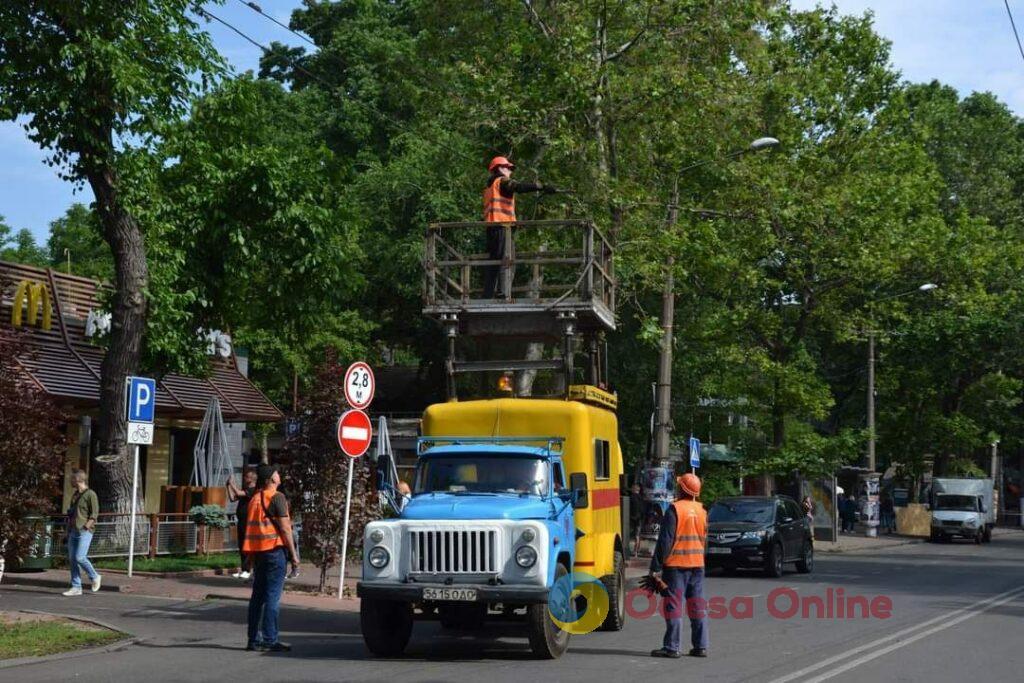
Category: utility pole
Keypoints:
(663, 399)
(871, 400)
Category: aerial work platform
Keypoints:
(553, 282)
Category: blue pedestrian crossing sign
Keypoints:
(694, 452)
(141, 399)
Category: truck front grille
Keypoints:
(454, 552)
(952, 522)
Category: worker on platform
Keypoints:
(679, 556)
(500, 207)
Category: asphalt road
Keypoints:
(956, 616)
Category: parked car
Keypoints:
(759, 532)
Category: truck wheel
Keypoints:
(615, 584)
(386, 626)
(979, 537)
(547, 640)
(773, 563)
(806, 562)
(987, 538)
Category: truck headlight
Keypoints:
(379, 557)
(376, 535)
(526, 556)
(528, 535)
(971, 522)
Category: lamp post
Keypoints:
(663, 393)
(926, 287)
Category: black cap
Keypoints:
(264, 473)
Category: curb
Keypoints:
(112, 647)
(868, 548)
(53, 583)
(194, 573)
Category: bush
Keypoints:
(32, 445)
(211, 516)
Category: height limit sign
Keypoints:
(359, 385)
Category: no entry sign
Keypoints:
(359, 385)
(354, 433)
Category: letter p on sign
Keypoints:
(141, 399)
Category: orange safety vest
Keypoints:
(498, 209)
(260, 533)
(691, 532)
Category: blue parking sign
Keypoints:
(141, 399)
(694, 452)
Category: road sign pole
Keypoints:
(344, 535)
(135, 493)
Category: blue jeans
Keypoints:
(270, 567)
(684, 585)
(78, 548)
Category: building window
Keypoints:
(183, 444)
(602, 459)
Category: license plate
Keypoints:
(455, 594)
(719, 551)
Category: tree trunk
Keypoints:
(114, 481)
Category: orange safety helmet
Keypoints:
(499, 161)
(690, 484)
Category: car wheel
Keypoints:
(773, 563)
(615, 585)
(987, 538)
(547, 639)
(386, 626)
(805, 565)
(978, 537)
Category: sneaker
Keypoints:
(96, 583)
(72, 592)
(244, 576)
(253, 647)
(293, 574)
(276, 647)
(699, 652)
(665, 652)
(237, 575)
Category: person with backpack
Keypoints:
(268, 540)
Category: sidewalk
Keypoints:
(852, 543)
(299, 592)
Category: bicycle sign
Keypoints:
(140, 433)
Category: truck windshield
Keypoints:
(754, 511)
(958, 503)
(482, 473)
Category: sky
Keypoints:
(964, 43)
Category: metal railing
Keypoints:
(558, 260)
(160, 534)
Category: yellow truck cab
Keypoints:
(478, 541)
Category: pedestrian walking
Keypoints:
(242, 496)
(888, 513)
(679, 556)
(81, 523)
(636, 515)
(808, 506)
(268, 538)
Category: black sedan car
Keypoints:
(759, 532)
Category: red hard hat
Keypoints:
(690, 484)
(499, 161)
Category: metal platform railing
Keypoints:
(558, 263)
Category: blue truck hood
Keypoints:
(445, 506)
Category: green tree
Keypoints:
(93, 78)
(20, 246)
(78, 237)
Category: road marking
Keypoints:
(971, 610)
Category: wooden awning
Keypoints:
(65, 363)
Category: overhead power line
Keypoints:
(259, 10)
(1013, 24)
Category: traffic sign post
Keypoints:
(359, 385)
(140, 411)
(354, 434)
(694, 452)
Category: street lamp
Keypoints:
(663, 393)
(926, 287)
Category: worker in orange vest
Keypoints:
(679, 556)
(500, 207)
(268, 541)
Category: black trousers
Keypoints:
(495, 251)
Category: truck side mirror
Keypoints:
(578, 485)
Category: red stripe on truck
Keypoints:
(604, 498)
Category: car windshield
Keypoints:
(753, 511)
(482, 473)
(959, 503)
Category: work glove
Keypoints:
(550, 189)
(653, 584)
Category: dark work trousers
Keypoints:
(495, 251)
(683, 586)
(265, 603)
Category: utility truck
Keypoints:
(962, 508)
(511, 496)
